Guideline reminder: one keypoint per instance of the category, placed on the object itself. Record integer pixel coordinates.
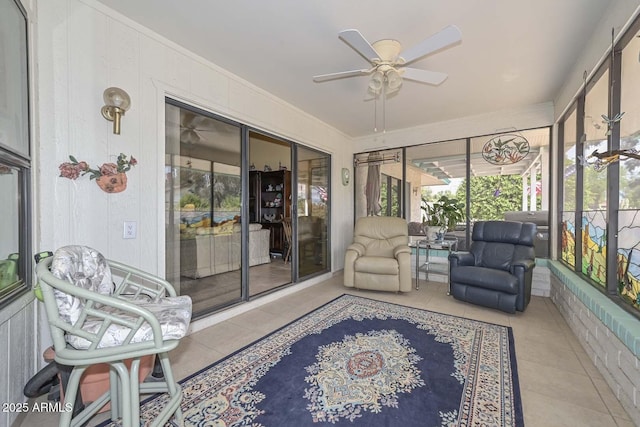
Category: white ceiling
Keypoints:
(513, 53)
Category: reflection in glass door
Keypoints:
(270, 192)
(203, 207)
(312, 206)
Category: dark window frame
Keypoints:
(20, 161)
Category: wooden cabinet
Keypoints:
(270, 203)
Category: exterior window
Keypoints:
(568, 232)
(628, 257)
(594, 184)
(15, 250)
(601, 183)
(378, 183)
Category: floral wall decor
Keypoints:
(110, 177)
(505, 149)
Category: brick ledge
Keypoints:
(625, 326)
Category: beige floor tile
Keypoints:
(549, 354)
(622, 422)
(544, 411)
(576, 389)
(559, 384)
(529, 331)
(613, 404)
(191, 356)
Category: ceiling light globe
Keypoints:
(394, 80)
(376, 82)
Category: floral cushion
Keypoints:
(86, 267)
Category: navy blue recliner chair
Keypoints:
(498, 269)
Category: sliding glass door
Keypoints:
(312, 207)
(270, 211)
(246, 213)
(203, 207)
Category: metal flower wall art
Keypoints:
(110, 177)
(600, 161)
(505, 149)
(610, 122)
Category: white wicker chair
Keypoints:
(94, 320)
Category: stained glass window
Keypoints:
(568, 238)
(594, 245)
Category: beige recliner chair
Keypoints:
(379, 257)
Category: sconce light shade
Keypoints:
(346, 176)
(117, 101)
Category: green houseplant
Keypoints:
(441, 216)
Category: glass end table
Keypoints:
(431, 266)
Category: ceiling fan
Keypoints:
(196, 128)
(389, 62)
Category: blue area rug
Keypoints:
(361, 362)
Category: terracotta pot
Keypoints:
(113, 183)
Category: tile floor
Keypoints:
(559, 384)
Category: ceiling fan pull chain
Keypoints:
(384, 107)
(375, 114)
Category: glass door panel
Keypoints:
(203, 207)
(270, 183)
(312, 206)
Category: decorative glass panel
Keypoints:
(628, 275)
(568, 236)
(594, 245)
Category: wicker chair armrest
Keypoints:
(96, 305)
(135, 282)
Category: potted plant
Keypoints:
(441, 216)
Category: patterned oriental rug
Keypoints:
(361, 362)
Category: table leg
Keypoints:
(417, 266)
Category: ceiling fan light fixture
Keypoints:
(394, 80)
(376, 82)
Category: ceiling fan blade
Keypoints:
(340, 75)
(358, 43)
(424, 76)
(448, 36)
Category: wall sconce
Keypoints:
(116, 101)
(415, 191)
(346, 176)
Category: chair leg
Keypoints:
(65, 373)
(287, 257)
(71, 392)
(114, 387)
(175, 395)
(135, 391)
(157, 369)
(125, 390)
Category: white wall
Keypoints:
(85, 48)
